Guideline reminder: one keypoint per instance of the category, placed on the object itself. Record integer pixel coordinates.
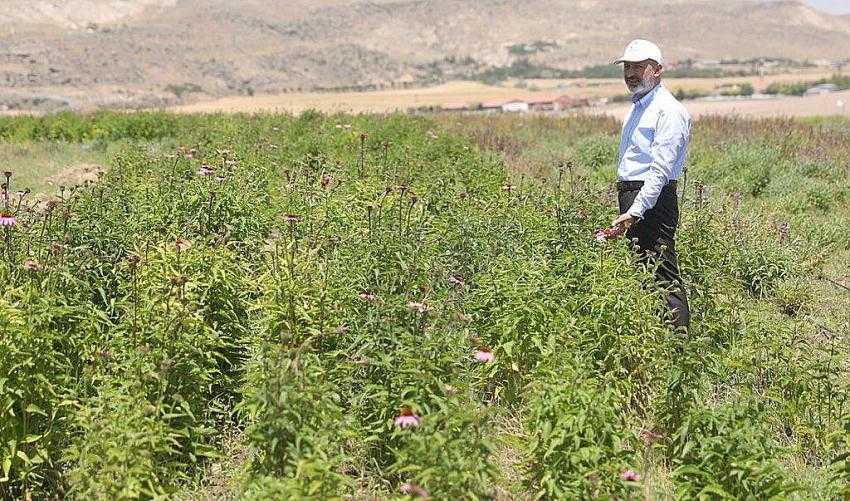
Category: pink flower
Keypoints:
(205, 171)
(630, 476)
(609, 233)
(414, 490)
(7, 219)
(407, 418)
(484, 355)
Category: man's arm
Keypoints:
(671, 135)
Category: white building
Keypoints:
(515, 106)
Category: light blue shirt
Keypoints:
(653, 145)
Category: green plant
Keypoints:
(722, 453)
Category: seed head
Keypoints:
(182, 244)
(133, 261)
(178, 280)
(32, 266)
(414, 490)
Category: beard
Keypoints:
(643, 86)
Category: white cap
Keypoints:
(641, 50)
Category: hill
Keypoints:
(99, 52)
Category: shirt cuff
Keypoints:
(635, 212)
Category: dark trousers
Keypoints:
(656, 244)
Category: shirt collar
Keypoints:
(644, 100)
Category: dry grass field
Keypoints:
(474, 92)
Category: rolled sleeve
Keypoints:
(671, 136)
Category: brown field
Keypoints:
(474, 92)
(365, 102)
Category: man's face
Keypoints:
(641, 76)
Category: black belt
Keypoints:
(636, 185)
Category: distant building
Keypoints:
(539, 104)
(567, 102)
(706, 63)
(559, 103)
(544, 104)
(454, 107)
(515, 106)
(820, 89)
(491, 106)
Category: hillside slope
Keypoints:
(135, 50)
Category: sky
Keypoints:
(834, 6)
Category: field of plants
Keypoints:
(277, 307)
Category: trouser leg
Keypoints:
(656, 245)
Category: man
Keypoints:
(652, 154)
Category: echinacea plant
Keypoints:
(407, 418)
(609, 233)
(8, 219)
(414, 490)
(205, 171)
(32, 265)
(484, 355)
(630, 476)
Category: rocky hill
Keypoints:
(84, 53)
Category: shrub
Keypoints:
(448, 455)
(298, 427)
(128, 447)
(580, 445)
(722, 452)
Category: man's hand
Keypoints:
(624, 221)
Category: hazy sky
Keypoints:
(837, 6)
